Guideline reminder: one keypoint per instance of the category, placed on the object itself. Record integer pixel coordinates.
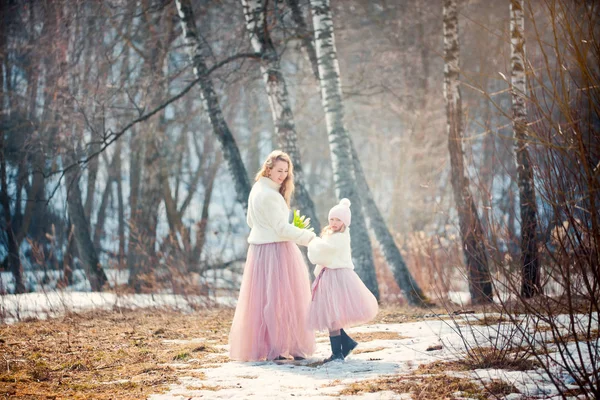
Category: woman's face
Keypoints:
(336, 224)
(279, 171)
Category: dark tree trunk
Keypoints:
(229, 147)
(402, 275)
(480, 285)
(83, 240)
(281, 109)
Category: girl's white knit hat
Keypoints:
(341, 211)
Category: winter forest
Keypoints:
(466, 134)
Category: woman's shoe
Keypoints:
(348, 344)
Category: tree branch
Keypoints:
(114, 136)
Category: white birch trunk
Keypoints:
(471, 231)
(339, 142)
(530, 275)
(376, 222)
(229, 147)
(281, 110)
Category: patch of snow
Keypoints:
(399, 357)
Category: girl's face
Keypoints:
(279, 171)
(336, 224)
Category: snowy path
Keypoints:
(400, 357)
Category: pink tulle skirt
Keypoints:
(340, 300)
(272, 308)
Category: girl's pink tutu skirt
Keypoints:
(340, 300)
(272, 308)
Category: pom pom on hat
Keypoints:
(342, 211)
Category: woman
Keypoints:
(270, 317)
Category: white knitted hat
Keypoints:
(341, 211)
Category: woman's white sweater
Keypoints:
(268, 216)
(331, 251)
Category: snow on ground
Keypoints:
(399, 357)
(55, 303)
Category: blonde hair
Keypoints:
(328, 230)
(287, 187)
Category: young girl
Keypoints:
(271, 313)
(339, 298)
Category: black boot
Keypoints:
(336, 349)
(348, 344)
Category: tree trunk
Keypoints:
(401, 274)
(530, 268)
(83, 240)
(281, 110)
(229, 147)
(101, 216)
(209, 180)
(411, 290)
(480, 285)
(145, 215)
(305, 35)
(339, 140)
(14, 260)
(135, 172)
(69, 255)
(120, 202)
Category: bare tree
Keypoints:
(339, 141)
(281, 110)
(229, 147)
(160, 32)
(14, 259)
(530, 273)
(402, 275)
(85, 246)
(480, 285)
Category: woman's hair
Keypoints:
(287, 187)
(328, 230)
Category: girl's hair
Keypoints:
(328, 230)
(287, 187)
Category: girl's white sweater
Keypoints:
(331, 251)
(268, 216)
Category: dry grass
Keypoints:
(391, 314)
(433, 387)
(490, 320)
(212, 388)
(363, 337)
(494, 358)
(482, 358)
(498, 387)
(372, 350)
(105, 355)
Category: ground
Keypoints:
(160, 354)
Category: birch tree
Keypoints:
(229, 147)
(530, 269)
(411, 290)
(402, 275)
(339, 140)
(281, 110)
(471, 231)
